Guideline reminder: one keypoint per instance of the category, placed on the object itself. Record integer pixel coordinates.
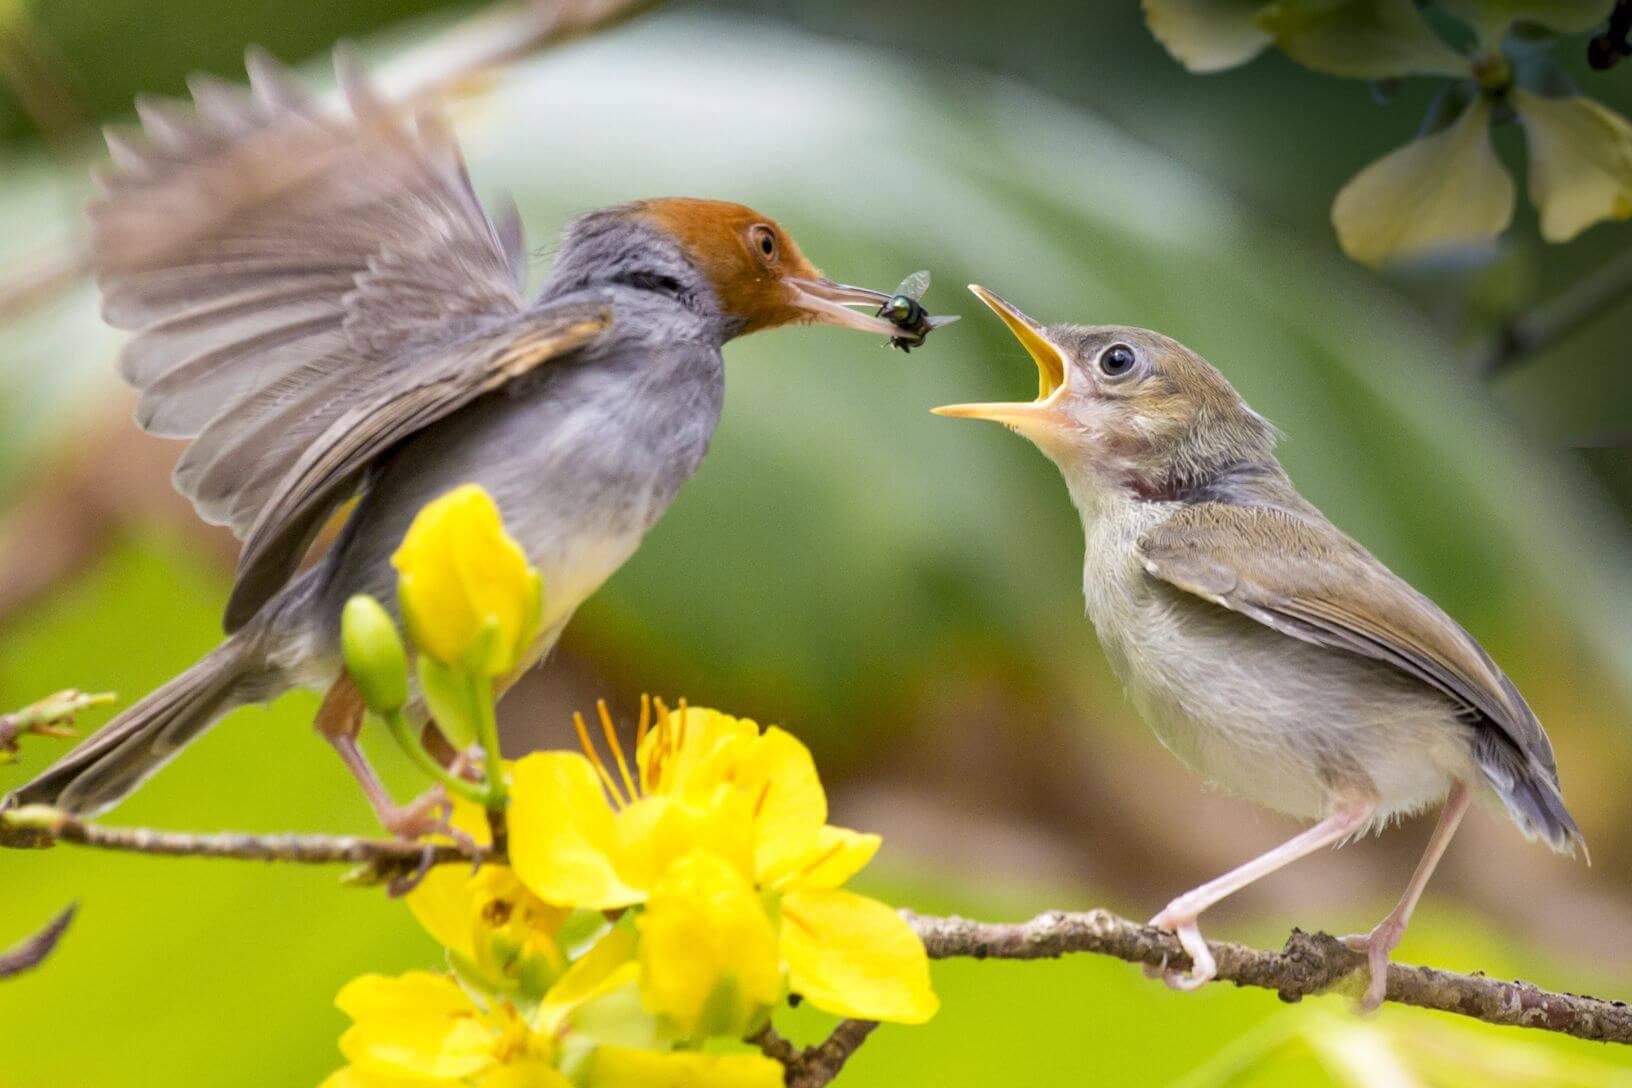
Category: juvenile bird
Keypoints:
(1271, 653)
(324, 308)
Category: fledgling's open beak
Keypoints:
(1051, 361)
(825, 301)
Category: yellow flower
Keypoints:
(708, 954)
(496, 932)
(1580, 162)
(469, 596)
(590, 835)
(423, 1028)
(621, 1067)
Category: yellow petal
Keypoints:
(854, 956)
(525, 1074)
(352, 1077)
(441, 904)
(834, 856)
(1361, 39)
(680, 741)
(1442, 192)
(610, 963)
(655, 832)
(1580, 162)
(469, 595)
(1492, 18)
(563, 835)
(419, 1024)
(708, 951)
(1208, 35)
(621, 1067)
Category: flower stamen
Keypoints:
(595, 760)
(611, 734)
(640, 738)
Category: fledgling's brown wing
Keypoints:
(1307, 580)
(284, 266)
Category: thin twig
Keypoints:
(1310, 963)
(1524, 336)
(32, 952)
(36, 826)
(815, 1066)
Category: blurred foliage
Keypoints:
(843, 556)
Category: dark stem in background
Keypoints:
(1308, 964)
(1613, 45)
(33, 951)
(1523, 336)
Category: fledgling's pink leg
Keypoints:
(1179, 917)
(1381, 941)
(339, 720)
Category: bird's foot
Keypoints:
(1203, 968)
(431, 813)
(1377, 945)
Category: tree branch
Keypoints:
(1524, 335)
(379, 860)
(1309, 963)
(815, 1066)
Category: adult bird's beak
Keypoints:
(825, 301)
(1051, 362)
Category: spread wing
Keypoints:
(285, 267)
(1310, 582)
(333, 464)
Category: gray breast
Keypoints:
(582, 459)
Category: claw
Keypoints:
(1203, 968)
(428, 814)
(1376, 946)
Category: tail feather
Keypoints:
(134, 746)
(1531, 793)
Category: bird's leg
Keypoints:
(1180, 916)
(339, 720)
(1381, 941)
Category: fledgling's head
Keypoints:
(1126, 409)
(723, 259)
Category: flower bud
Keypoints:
(469, 596)
(374, 654)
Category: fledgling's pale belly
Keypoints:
(1287, 724)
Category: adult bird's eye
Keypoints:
(1117, 360)
(765, 241)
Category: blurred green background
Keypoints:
(901, 591)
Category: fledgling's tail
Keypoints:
(130, 749)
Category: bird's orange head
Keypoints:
(759, 276)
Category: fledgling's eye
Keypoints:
(1117, 360)
(764, 239)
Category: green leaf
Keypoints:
(447, 694)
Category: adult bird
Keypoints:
(322, 306)
(1270, 652)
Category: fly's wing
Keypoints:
(333, 464)
(915, 286)
(282, 266)
(1310, 582)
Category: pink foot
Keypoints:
(1203, 968)
(1377, 945)
(428, 814)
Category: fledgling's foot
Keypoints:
(1377, 945)
(1203, 968)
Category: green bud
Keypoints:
(374, 654)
